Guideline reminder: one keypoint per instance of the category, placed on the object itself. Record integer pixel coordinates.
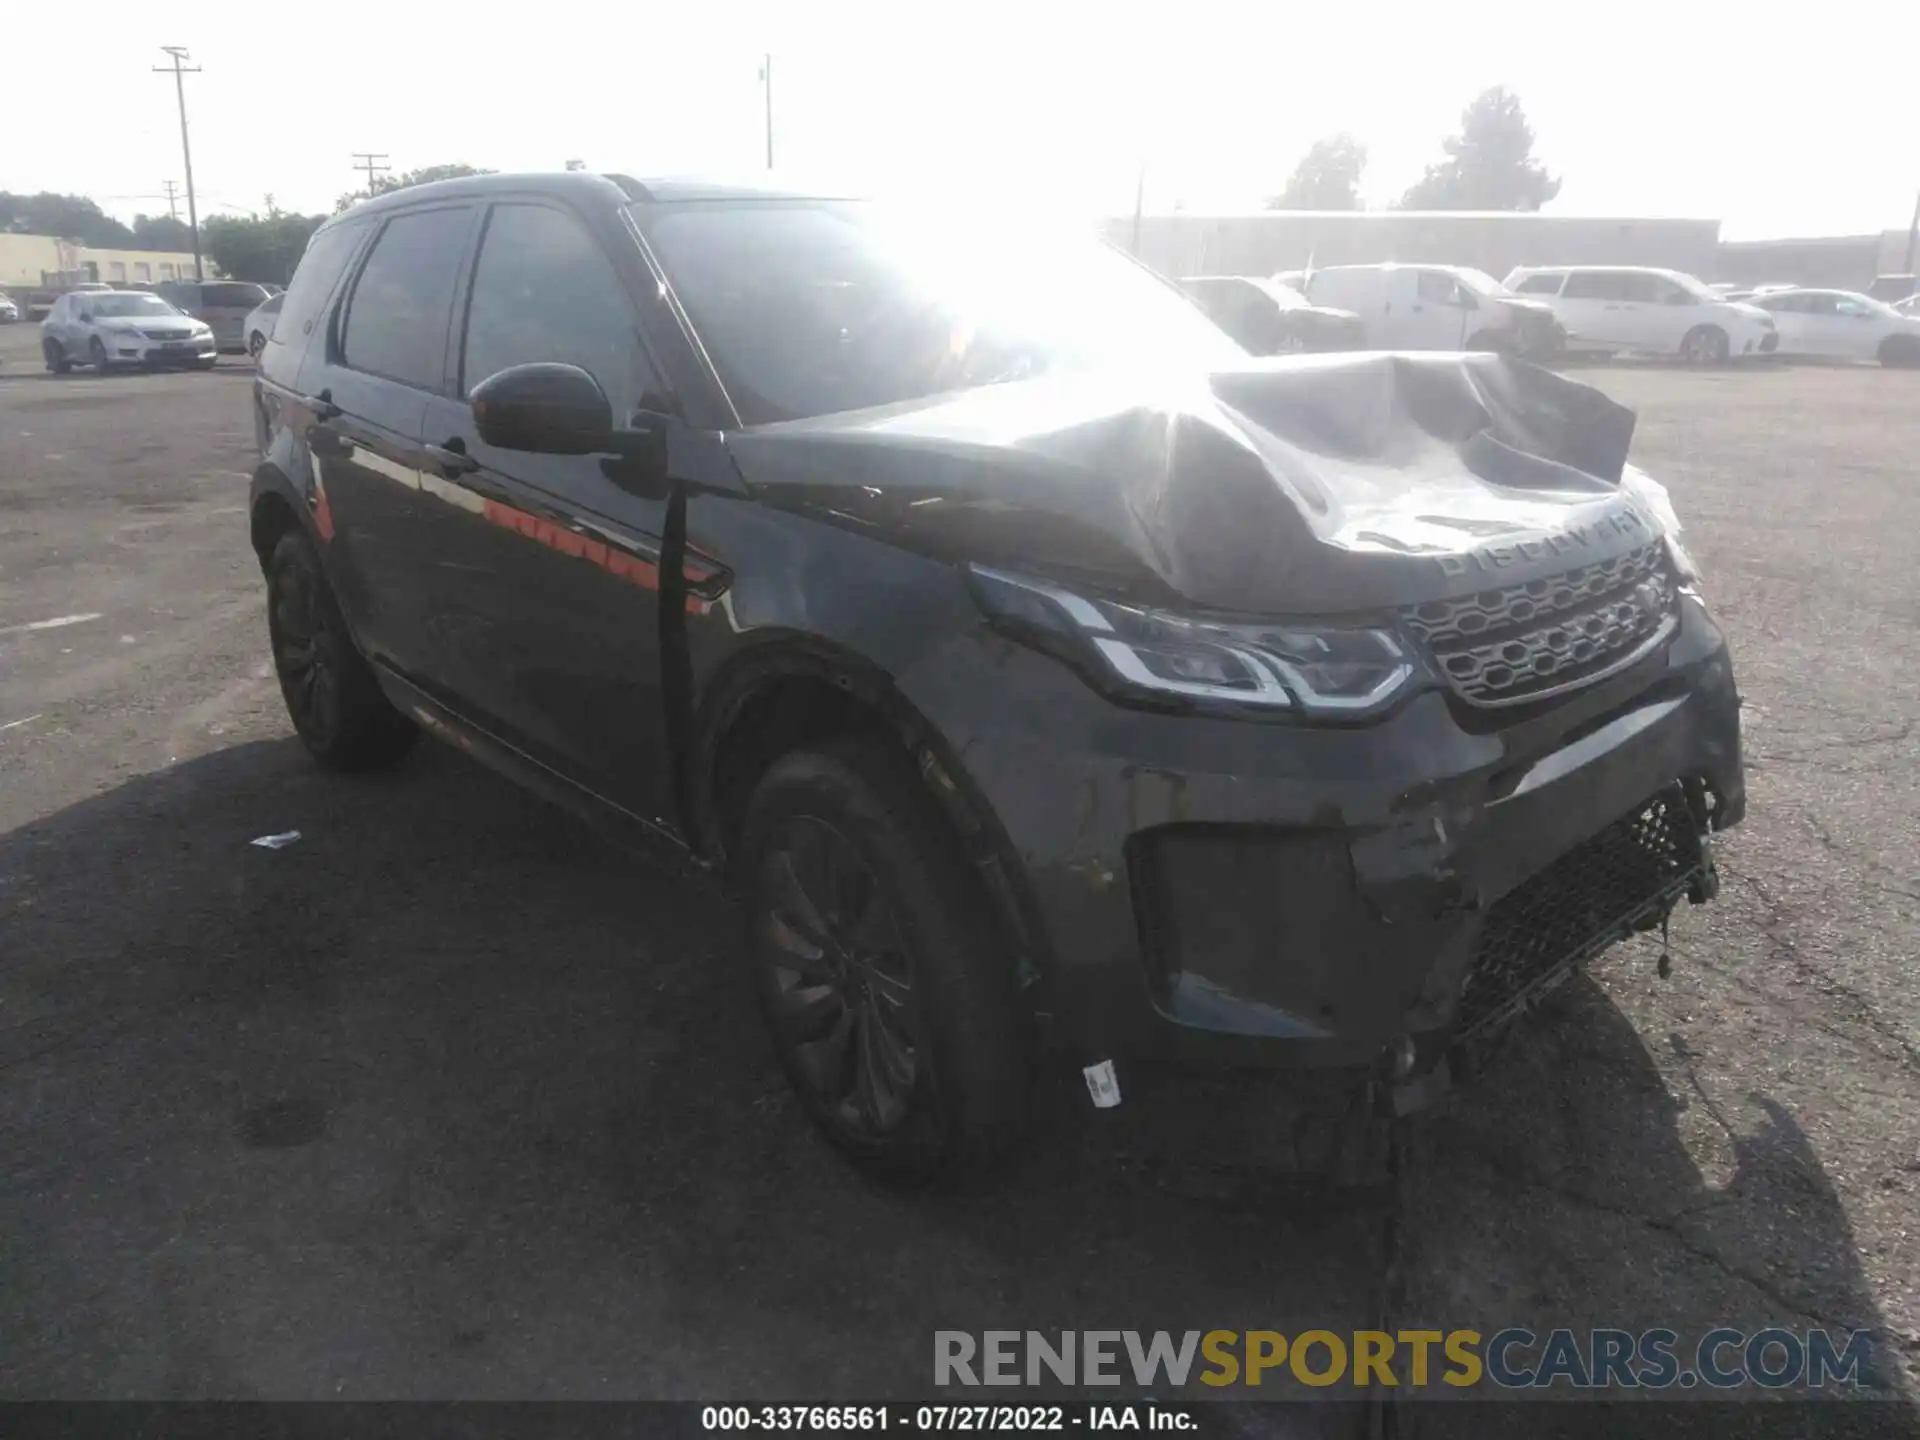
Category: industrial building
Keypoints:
(45, 262)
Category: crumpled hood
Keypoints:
(1314, 485)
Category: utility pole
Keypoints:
(179, 67)
(1139, 204)
(1913, 234)
(370, 161)
(172, 188)
(766, 81)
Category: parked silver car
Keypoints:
(105, 328)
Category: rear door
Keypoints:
(542, 573)
(366, 381)
(1436, 315)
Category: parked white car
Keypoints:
(258, 326)
(1660, 312)
(9, 312)
(105, 328)
(1842, 325)
(1435, 307)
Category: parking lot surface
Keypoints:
(448, 1098)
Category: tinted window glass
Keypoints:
(1435, 288)
(1540, 285)
(313, 281)
(232, 293)
(544, 290)
(396, 322)
(1591, 285)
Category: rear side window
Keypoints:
(313, 281)
(1608, 285)
(1540, 285)
(231, 294)
(545, 291)
(396, 324)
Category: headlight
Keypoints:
(1155, 653)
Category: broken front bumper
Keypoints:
(1238, 892)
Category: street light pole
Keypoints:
(1913, 234)
(180, 68)
(766, 79)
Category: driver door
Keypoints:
(1437, 316)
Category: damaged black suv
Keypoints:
(1040, 667)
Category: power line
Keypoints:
(178, 54)
(370, 161)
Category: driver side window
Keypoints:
(545, 291)
(1436, 289)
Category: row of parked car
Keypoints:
(185, 322)
(1542, 312)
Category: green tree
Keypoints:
(66, 217)
(161, 232)
(253, 247)
(1327, 177)
(1489, 164)
(424, 175)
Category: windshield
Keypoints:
(813, 307)
(1692, 286)
(115, 306)
(1480, 282)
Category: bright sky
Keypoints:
(1646, 109)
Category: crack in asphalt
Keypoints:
(1772, 923)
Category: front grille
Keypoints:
(1583, 902)
(165, 335)
(1500, 647)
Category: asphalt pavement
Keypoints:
(449, 1099)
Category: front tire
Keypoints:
(97, 356)
(335, 703)
(1900, 352)
(1705, 345)
(891, 1002)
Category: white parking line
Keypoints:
(54, 624)
(16, 724)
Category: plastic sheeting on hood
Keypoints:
(1308, 485)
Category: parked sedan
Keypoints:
(1269, 318)
(258, 327)
(9, 312)
(105, 328)
(1842, 325)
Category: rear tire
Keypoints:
(1705, 345)
(892, 1002)
(256, 342)
(1900, 352)
(56, 357)
(335, 703)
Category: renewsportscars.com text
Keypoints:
(1514, 1359)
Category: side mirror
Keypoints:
(547, 408)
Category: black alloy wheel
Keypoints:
(306, 654)
(837, 983)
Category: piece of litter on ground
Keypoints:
(15, 724)
(276, 842)
(126, 639)
(59, 622)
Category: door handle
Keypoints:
(322, 406)
(452, 457)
